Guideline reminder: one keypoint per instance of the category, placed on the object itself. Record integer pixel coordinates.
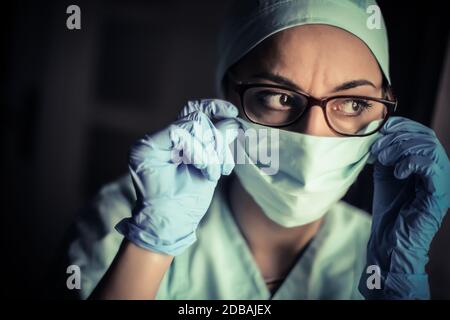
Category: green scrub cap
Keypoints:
(249, 22)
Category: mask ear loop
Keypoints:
(387, 91)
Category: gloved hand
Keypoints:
(411, 197)
(175, 172)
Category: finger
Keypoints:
(157, 149)
(415, 229)
(435, 180)
(199, 125)
(423, 146)
(195, 153)
(228, 132)
(217, 137)
(419, 221)
(396, 137)
(213, 108)
(414, 164)
(151, 151)
(401, 124)
(229, 129)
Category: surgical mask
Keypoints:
(313, 172)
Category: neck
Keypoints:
(264, 236)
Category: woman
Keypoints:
(317, 71)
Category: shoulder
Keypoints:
(118, 191)
(112, 203)
(95, 242)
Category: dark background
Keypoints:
(74, 100)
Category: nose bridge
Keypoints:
(313, 121)
(312, 101)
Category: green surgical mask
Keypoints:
(312, 173)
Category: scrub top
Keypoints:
(219, 265)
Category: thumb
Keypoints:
(228, 128)
(228, 132)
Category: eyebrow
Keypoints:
(289, 83)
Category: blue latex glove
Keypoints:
(411, 197)
(175, 172)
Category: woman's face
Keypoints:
(319, 60)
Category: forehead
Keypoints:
(312, 51)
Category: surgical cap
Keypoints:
(249, 22)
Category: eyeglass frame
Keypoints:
(241, 87)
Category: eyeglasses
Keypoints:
(279, 106)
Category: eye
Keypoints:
(275, 100)
(351, 107)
